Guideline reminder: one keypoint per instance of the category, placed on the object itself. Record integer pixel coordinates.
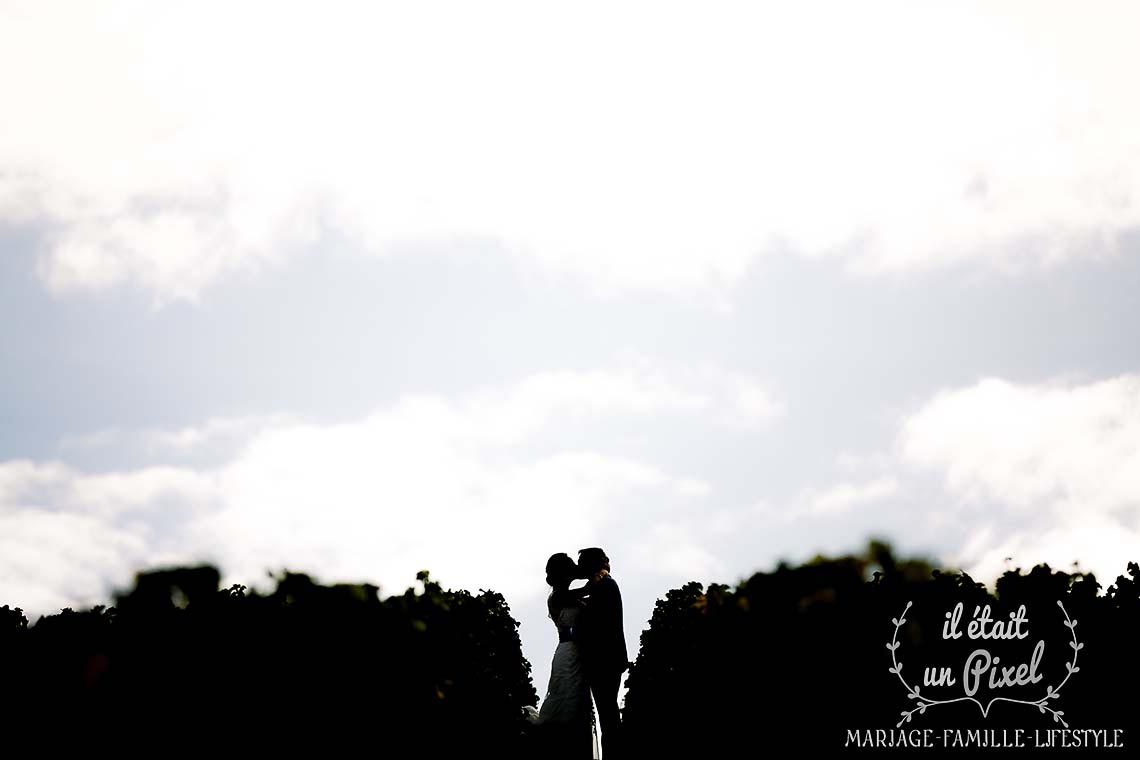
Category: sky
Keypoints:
(364, 289)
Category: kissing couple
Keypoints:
(590, 658)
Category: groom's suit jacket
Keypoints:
(603, 633)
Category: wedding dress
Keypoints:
(567, 713)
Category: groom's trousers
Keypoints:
(604, 685)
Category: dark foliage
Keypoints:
(785, 662)
(789, 661)
(181, 664)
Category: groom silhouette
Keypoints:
(602, 642)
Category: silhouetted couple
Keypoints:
(590, 657)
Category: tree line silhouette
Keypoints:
(180, 661)
(787, 660)
(793, 659)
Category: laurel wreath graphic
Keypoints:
(924, 702)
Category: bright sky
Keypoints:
(362, 289)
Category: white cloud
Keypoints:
(215, 434)
(378, 498)
(843, 497)
(66, 537)
(54, 486)
(1092, 542)
(50, 560)
(747, 403)
(516, 412)
(675, 551)
(478, 489)
(634, 144)
(1039, 473)
(210, 432)
(1028, 446)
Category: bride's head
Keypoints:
(560, 570)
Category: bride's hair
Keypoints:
(560, 570)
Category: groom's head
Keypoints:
(592, 560)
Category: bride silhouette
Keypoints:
(565, 722)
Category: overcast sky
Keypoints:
(361, 290)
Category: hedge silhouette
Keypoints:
(790, 661)
(786, 661)
(179, 660)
